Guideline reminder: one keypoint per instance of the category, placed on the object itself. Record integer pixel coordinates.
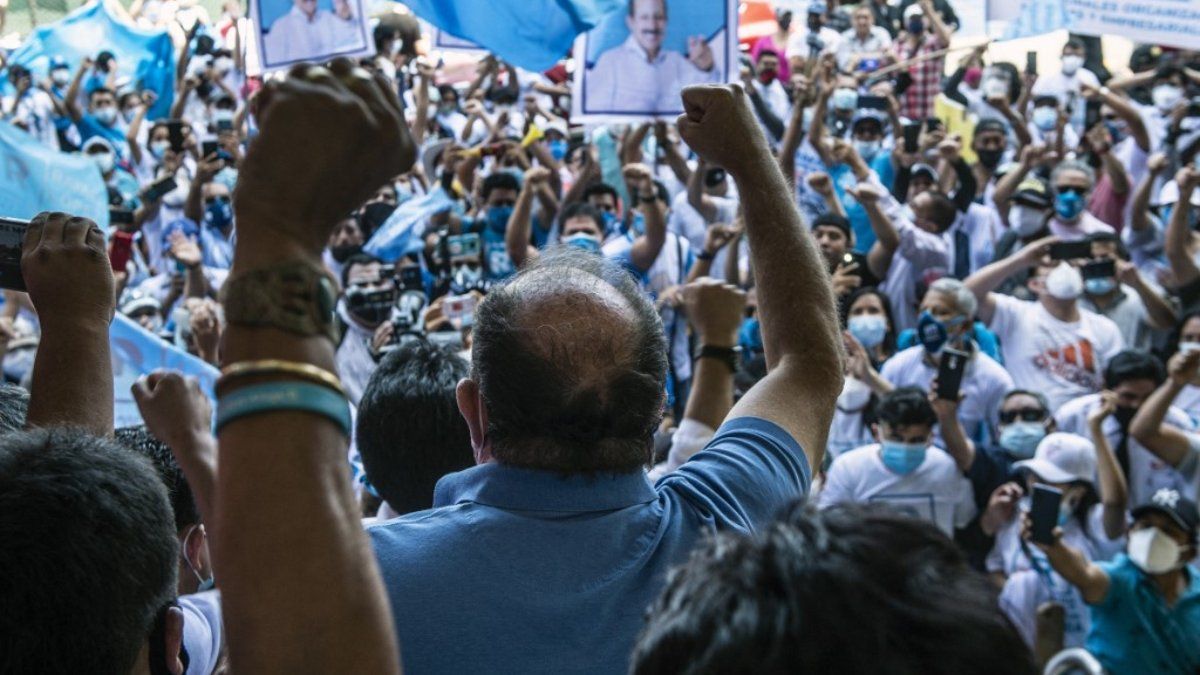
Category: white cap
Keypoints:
(1063, 458)
(1170, 194)
(913, 10)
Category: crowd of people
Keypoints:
(773, 387)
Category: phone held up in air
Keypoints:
(12, 235)
(912, 134)
(950, 373)
(1031, 63)
(1043, 513)
(157, 190)
(1071, 250)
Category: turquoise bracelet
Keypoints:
(284, 396)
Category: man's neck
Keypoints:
(1171, 584)
(1063, 310)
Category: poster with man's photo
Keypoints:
(288, 32)
(444, 40)
(634, 64)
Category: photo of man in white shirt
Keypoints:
(309, 33)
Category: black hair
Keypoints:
(14, 403)
(831, 219)
(183, 504)
(356, 259)
(850, 589)
(1110, 237)
(904, 406)
(944, 212)
(1041, 398)
(445, 90)
(600, 188)
(889, 340)
(558, 400)
(90, 553)
(1076, 43)
(101, 90)
(500, 180)
(1014, 79)
(767, 52)
(583, 210)
(382, 33)
(409, 430)
(1133, 364)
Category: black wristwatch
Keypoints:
(726, 355)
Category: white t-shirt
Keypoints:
(203, 633)
(984, 385)
(935, 491)
(1059, 359)
(1027, 590)
(1086, 225)
(848, 430)
(1064, 87)
(920, 253)
(688, 223)
(797, 44)
(355, 363)
(1147, 473)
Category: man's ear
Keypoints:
(473, 409)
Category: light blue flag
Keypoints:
(530, 34)
(1038, 17)
(137, 352)
(34, 178)
(147, 57)
(404, 230)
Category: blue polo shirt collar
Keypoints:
(516, 489)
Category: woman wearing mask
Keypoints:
(777, 42)
(1091, 517)
(870, 340)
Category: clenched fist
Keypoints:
(329, 137)
(719, 125)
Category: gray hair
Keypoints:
(1073, 165)
(964, 299)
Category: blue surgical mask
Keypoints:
(584, 241)
(1068, 205)
(868, 329)
(558, 149)
(1045, 118)
(1065, 511)
(750, 336)
(637, 224)
(1020, 439)
(497, 218)
(1101, 286)
(218, 214)
(159, 148)
(610, 221)
(902, 458)
(932, 333)
(106, 115)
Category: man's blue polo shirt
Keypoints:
(1133, 629)
(526, 571)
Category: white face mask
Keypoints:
(1165, 96)
(1188, 347)
(104, 160)
(60, 76)
(1153, 551)
(1065, 282)
(223, 64)
(1027, 221)
(855, 395)
(1071, 64)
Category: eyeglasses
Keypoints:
(1071, 188)
(1024, 414)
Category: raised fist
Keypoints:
(719, 125)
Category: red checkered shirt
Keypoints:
(917, 102)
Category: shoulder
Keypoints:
(903, 359)
(855, 460)
(941, 464)
(1078, 406)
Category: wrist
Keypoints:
(721, 339)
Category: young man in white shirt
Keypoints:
(864, 42)
(903, 471)
(1050, 345)
(1065, 84)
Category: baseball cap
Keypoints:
(832, 220)
(816, 8)
(929, 171)
(1063, 458)
(864, 115)
(913, 10)
(1034, 192)
(96, 142)
(556, 125)
(990, 125)
(1169, 502)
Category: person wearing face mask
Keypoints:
(102, 153)
(100, 118)
(767, 95)
(500, 191)
(1044, 124)
(1145, 604)
(30, 107)
(1049, 345)
(1163, 429)
(777, 42)
(1028, 211)
(902, 471)
(946, 321)
(1072, 182)
(869, 343)
(366, 303)
(345, 241)
(815, 38)
(1137, 306)
(864, 44)
(925, 34)
(1064, 85)
(1165, 87)
(1091, 518)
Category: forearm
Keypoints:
(195, 284)
(957, 444)
(773, 124)
(678, 164)
(631, 147)
(711, 396)
(1177, 239)
(72, 378)
(1007, 186)
(791, 141)
(700, 269)
(882, 226)
(1153, 413)
(1114, 494)
(695, 193)
(1071, 565)
(965, 194)
(1159, 312)
(1116, 173)
(647, 247)
(517, 234)
(193, 208)
(1141, 203)
(180, 102)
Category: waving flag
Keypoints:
(146, 57)
(530, 34)
(403, 230)
(137, 352)
(34, 178)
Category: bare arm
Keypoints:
(887, 239)
(715, 311)
(800, 328)
(1149, 425)
(1139, 219)
(675, 160)
(1114, 493)
(695, 193)
(631, 145)
(1073, 566)
(1159, 313)
(135, 127)
(1179, 233)
(989, 278)
(517, 233)
(955, 439)
(648, 245)
(71, 101)
(65, 266)
(791, 141)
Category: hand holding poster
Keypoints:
(294, 31)
(635, 63)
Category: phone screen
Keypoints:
(175, 135)
(1043, 511)
(12, 235)
(1070, 250)
(912, 133)
(950, 373)
(157, 190)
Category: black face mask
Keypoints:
(372, 307)
(1124, 416)
(989, 158)
(814, 23)
(342, 253)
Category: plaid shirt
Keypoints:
(917, 102)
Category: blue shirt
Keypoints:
(1133, 630)
(89, 126)
(527, 571)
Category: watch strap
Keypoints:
(294, 296)
(726, 355)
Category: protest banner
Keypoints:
(1171, 23)
(137, 352)
(288, 32)
(635, 63)
(34, 178)
(403, 230)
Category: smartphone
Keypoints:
(120, 216)
(209, 148)
(156, 190)
(873, 102)
(410, 279)
(912, 134)
(12, 235)
(120, 250)
(1099, 269)
(464, 245)
(224, 125)
(1070, 250)
(1091, 114)
(1031, 63)
(950, 373)
(175, 134)
(1043, 512)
